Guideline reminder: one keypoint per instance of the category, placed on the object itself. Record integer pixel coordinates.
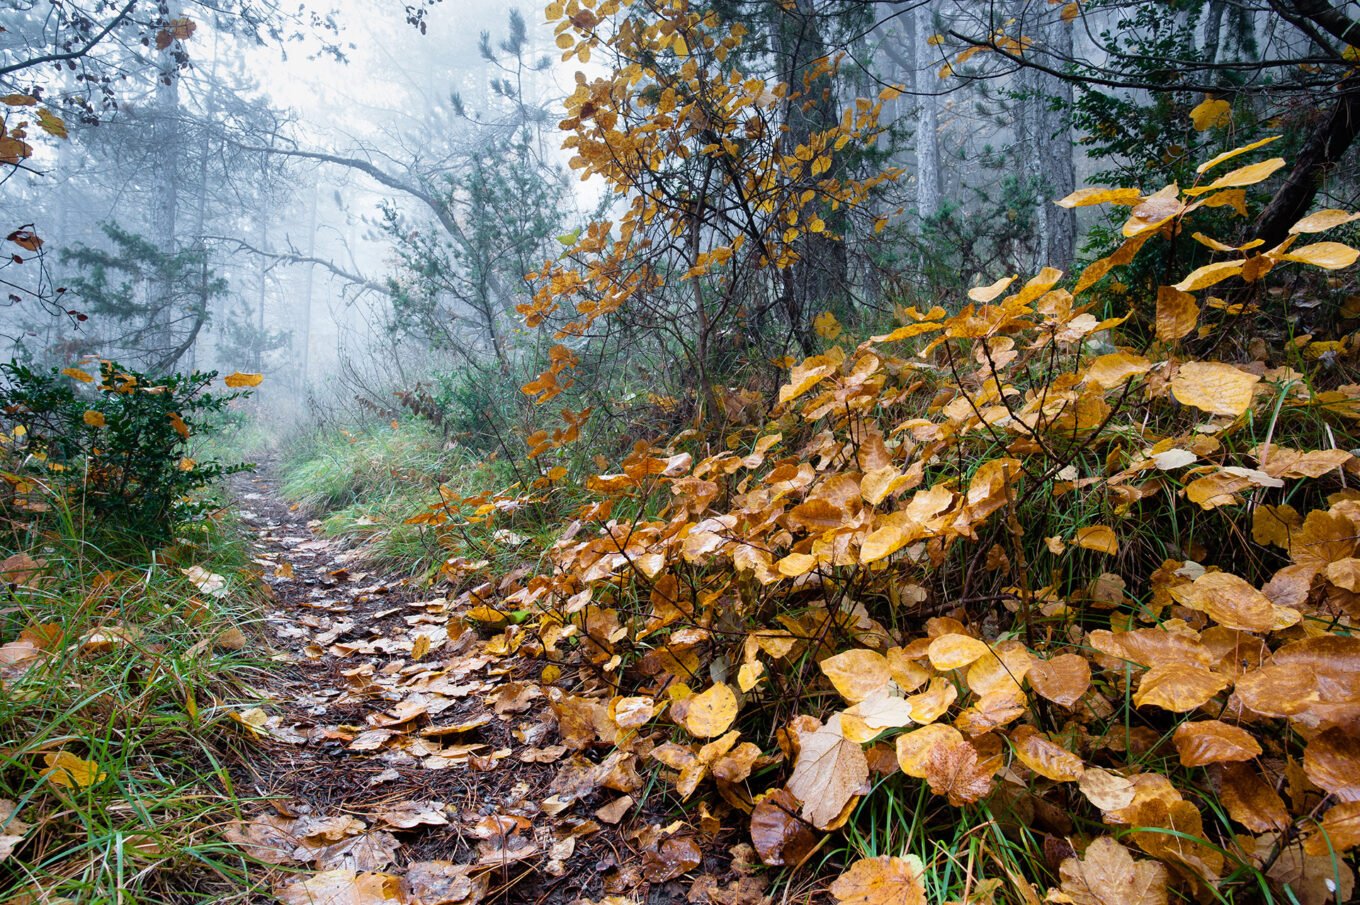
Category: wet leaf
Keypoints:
(1062, 680)
(885, 880)
(780, 836)
(712, 712)
(1213, 387)
(1214, 742)
(1178, 687)
(1107, 874)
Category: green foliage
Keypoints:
(159, 298)
(112, 451)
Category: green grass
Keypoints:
(365, 483)
(135, 674)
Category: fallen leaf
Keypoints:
(1107, 874)
(829, 772)
(885, 880)
(711, 712)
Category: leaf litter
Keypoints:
(401, 761)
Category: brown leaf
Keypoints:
(829, 772)
(674, 857)
(1332, 762)
(957, 772)
(1062, 680)
(1340, 830)
(1229, 601)
(1178, 687)
(342, 887)
(1250, 800)
(885, 880)
(1213, 742)
(1045, 757)
(1107, 874)
(778, 833)
(444, 883)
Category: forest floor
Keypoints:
(399, 760)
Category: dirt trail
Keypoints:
(403, 762)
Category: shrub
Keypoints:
(112, 451)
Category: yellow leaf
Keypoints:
(1209, 274)
(65, 769)
(712, 712)
(1322, 221)
(93, 418)
(1248, 175)
(420, 647)
(1115, 369)
(1211, 113)
(178, 424)
(884, 880)
(1229, 155)
(1177, 314)
(1327, 255)
(857, 673)
(1214, 387)
(77, 374)
(1100, 538)
(1096, 195)
(955, 650)
(984, 294)
(243, 380)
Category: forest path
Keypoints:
(396, 760)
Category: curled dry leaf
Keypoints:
(1107, 874)
(1213, 742)
(885, 880)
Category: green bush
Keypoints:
(111, 452)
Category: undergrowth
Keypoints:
(119, 676)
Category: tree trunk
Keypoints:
(1325, 146)
(928, 193)
(1058, 177)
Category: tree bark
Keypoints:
(1324, 148)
